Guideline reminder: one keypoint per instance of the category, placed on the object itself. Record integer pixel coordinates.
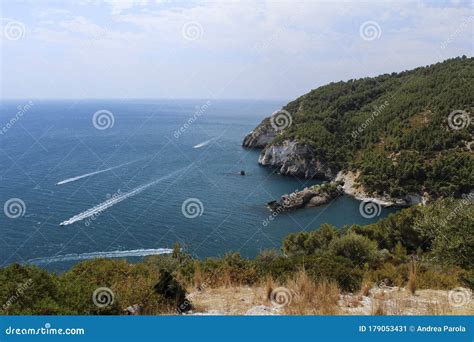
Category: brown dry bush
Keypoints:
(310, 298)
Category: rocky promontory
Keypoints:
(289, 156)
(389, 142)
(309, 197)
(293, 158)
(261, 136)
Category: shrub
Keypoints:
(355, 247)
(309, 242)
(170, 289)
(448, 224)
(389, 274)
(399, 253)
(337, 268)
(396, 228)
(77, 286)
(28, 290)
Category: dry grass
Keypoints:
(379, 307)
(412, 277)
(379, 304)
(226, 278)
(366, 287)
(322, 298)
(226, 294)
(269, 287)
(310, 298)
(198, 277)
(427, 302)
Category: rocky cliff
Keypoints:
(261, 136)
(397, 138)
(295, 159)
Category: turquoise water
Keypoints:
(173, 150)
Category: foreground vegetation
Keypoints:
(417, 248)
(394, 128)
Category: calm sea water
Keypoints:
(175, 152)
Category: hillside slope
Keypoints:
(419, 260)
(395, 132)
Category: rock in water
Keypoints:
(309, 197)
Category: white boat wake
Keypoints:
(73, 179)
(204, 143)
(117, 199)
(93, 255)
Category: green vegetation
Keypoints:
(332, 189)
(438, 237)
(393, 128)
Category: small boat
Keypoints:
(242, 173)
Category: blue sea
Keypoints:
(137, 176)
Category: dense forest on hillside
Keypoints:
(419, 247)
(394, 128)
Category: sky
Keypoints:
(227, 49)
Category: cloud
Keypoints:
(118, 6)
(83, 26)
(244, 49)
(53, 12)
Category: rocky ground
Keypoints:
(378, 301)
(348, 179)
